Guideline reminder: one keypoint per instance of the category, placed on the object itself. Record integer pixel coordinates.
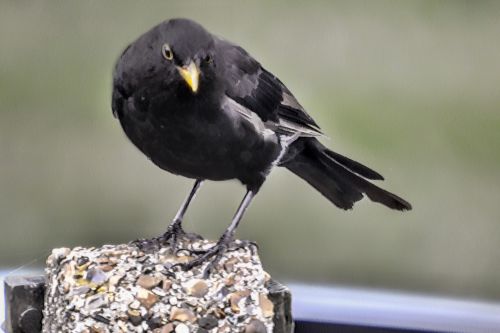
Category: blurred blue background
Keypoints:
(409, 88)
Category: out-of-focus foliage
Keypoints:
(411, 88)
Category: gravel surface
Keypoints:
(139, 287)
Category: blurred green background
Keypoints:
(411, 88)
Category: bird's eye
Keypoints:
(209, 59)
(167, 52)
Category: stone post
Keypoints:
(140, 287)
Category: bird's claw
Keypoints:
(202, 254)
(214, 254)
(148, 245)
(241, 244)
(172, 236)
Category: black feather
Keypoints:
(354, 166)
(337, 182)
(257, 89)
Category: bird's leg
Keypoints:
(174, 230)
(215, 252)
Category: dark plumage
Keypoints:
(202, 107)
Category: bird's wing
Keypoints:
(258, 91)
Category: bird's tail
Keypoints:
(340, 179)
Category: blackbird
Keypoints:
(201, 107)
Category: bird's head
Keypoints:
(175, 56)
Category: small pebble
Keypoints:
(82, 261)
(96, 301)
(148, 281)
(182, 328)
(135, 317)
(166, 284)
(208, 322)
(172, 300)
(196, 288)
(135, 305)
(167, 328)
(235, 299)
(146, 297)
(181, 314)
(266, 305)
(96, 276)
(155, 322)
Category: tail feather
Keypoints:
(339, 178)
(354, 166)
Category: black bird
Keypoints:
(202, 107)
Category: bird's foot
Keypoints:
(146, 244)
(214, 254)
(242, 244)
(173, 235)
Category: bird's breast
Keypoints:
(199, 140)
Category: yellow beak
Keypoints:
(191, 74)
